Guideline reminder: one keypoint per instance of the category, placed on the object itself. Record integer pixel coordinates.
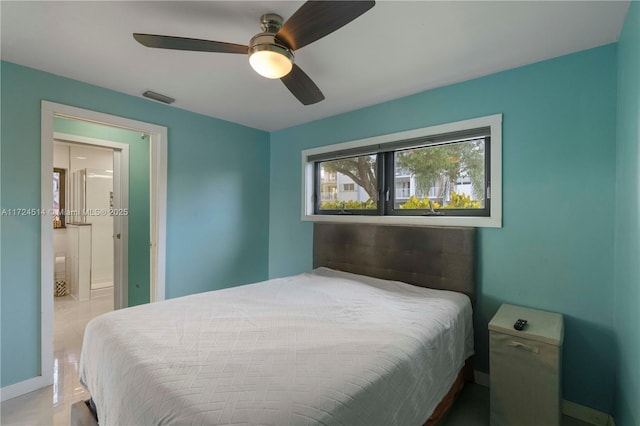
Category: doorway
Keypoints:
(157, 217)
(88, 252)
(86, 248)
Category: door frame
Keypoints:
(158, 190)
(120, 201)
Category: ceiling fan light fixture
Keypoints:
(269, 58)
(271, 51)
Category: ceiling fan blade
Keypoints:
(302, 87)
(316, 19)
(194, 44)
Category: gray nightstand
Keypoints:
(525, 374)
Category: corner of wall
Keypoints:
(626, 283)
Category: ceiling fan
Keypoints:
(271, 51)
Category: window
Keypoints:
(442, 175)
(448, 179)
(357, 178)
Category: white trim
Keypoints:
(407, 220)
(158, 191)
(481, 378)
(46, 251)
(586, 414)
(152, 226)
(66, 137)
(26, 386)
(159, 142)
(121, 201)
(494, 221)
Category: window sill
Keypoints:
(469, 221)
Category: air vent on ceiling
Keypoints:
(158, 97)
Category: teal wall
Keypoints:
(139, 201)
(217, 213)
(626, 302)
(555, 250)
(234, 203)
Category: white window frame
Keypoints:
(494, 220)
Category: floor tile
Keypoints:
(52, 405)
(472, 409)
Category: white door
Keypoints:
(103, 197)
(99, 205)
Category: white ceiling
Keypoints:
(396, 49)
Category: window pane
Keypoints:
(349, 183)
(450, 176)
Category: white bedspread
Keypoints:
(323, 347)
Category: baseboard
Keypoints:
(101, 292)
(481, 378)
(586, 414)
(23, 387)
(571, 409)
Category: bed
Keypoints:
(344, 344)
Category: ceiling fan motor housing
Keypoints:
(271, 22)
(267, 42)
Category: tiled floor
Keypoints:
(472, 409)
(51, 405)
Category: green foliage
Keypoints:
(461, 201)
(418, 203)
(458, 201)
(362, 170)
(443, 165)
(351, 204)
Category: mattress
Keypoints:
(319, 348)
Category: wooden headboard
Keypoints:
(435, 257)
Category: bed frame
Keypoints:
(436, 257)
